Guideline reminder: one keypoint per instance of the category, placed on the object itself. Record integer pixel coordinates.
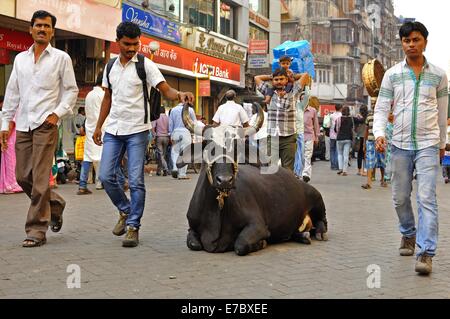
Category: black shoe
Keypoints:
(165, 173)
(175, 174)
(306, 179)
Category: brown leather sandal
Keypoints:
(33, 242)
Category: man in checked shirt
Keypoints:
(281, 119)
(419, 92)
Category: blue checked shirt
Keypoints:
(281, 113)
(420, 106)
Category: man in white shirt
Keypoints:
(41, 90)
(231, 113)
(128, 129)
(92, 152)
(418, 93)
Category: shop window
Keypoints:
(260, 6)
(226, 19)
(258, 33)
(200, 13)
(170, 8)
(343, 32)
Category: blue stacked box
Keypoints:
(300, 52)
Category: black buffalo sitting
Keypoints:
(235, 207)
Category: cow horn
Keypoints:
(188, 122)
(259, 121)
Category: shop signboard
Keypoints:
(258, 61)
(7, 8)
(179, 60)
(258, 19)
(325, 109)
(204, 87)
(258, 46)
(152, 24)
(15, 40)
(215, 46)
(85, 17)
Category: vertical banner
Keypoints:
(204, 87)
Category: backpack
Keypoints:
(327, 121)
(155, 96)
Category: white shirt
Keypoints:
(127, 107)
(93, 102)
(230, 113)
(35, 90)
(420, 106)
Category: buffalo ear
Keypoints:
(191, 154)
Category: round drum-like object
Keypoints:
(372, 76)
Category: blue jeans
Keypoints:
(180, 139)
(85, 167)
(334, 155)
(110, 173)
(343, 148)
(426, 164)
(299, 155)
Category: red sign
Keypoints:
(258, 46)
(186, 60)
(15, 40)
(204, 87)
(258, 19)
(4, 56)
(325, 109)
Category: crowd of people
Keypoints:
(118, 129)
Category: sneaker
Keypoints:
(424, 264)
(120, 227)
(407, 246)
(99, 186)
(84, 191)
(131, 238)
(306, 179)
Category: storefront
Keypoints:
(81, 29)
(181, 67)
(11, 43)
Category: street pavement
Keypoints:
(363, 236)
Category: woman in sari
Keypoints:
(8, 183)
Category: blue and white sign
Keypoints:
(152, 24)
(256, 61)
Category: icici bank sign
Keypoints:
(177, 59)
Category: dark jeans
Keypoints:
(361, 152)
(334, 155)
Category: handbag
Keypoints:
(79, 148)
(356, 142)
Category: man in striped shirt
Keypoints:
(281, 119)
(419, 93)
